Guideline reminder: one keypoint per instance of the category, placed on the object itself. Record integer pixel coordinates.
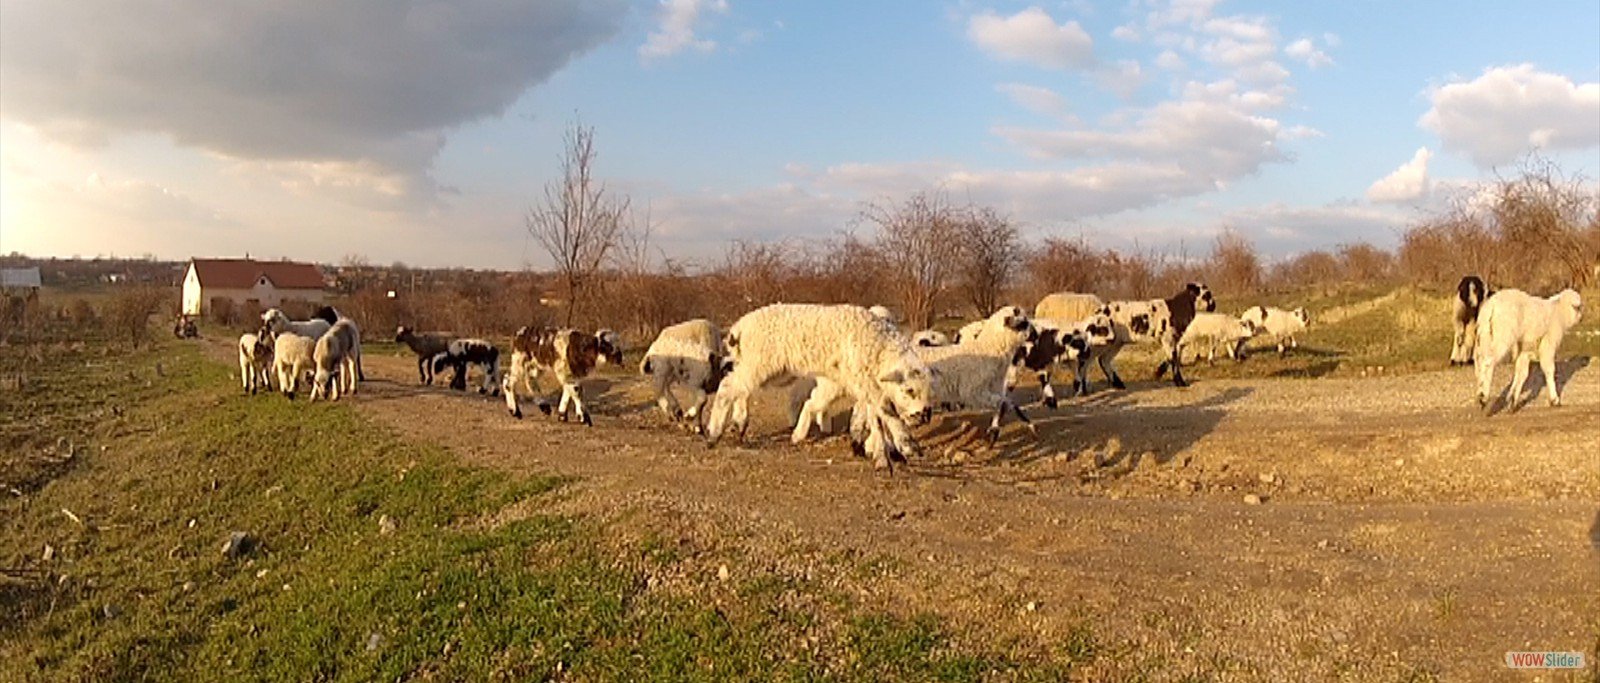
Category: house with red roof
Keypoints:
(266, 283)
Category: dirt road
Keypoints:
(1399, 534)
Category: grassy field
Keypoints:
(368, 558)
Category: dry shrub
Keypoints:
(1366, 264)
(224, 312)
(1310, 269)
(1234, 267)
(127, 316)
(920, 242)
(993, 255)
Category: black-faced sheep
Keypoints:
(1471, 292)
(1280, 325)
(426, 345)
(462, 353)
(865, 355)
(688, 353)
(567, 353)
(1527, 328)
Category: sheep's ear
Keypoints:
(894, 376)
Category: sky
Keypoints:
(424, 131)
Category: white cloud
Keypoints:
(365, 82)
(1170, 61)
(1036, 99)
(1509, 110)
(1126, 33)
(676, 32)
(1282, 228)
(1306, 51)
(1404, 184)
(1124, 78)
(1031, 36)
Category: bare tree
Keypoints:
(1234, 266)
(920, 241)
(579, 223)
(993, 255)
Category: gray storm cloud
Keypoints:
(372, 81)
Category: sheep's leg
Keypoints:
(900, 437)
(517, 374)
(859, 430)
(720, 407)
(693, 413)
(814, 410)
(247, 374)
(875, 445)
(565, 405)
(1176, 359)
(1469, 343)
(664, 398)
(573, 394)
(1547, 363)
(1108, 367)
(1518, 379)
(1000, 411)
(1046, 389)
(1485, 357)
(424, 369)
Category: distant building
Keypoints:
(19, 279)
(266, 283)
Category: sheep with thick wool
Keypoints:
(689, 353)
(1211, 329)
(277, 323)
(867, 356)
(293, 355)
(1527, 328)
(1279, 325)
(335, 357)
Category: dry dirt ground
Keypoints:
(1400, 532)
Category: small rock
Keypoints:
(238, 545)
(1268, 478)
(188, 586)
(1252, 499)
(373, 641)
(385, 525)
(1031, 606)
(191, 522)
(722, 573)
(461, 605)
(110, 611)
(1399, 462)
(49, 552)
(261, 574)
(958, 457)
(1322, 544)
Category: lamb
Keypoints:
(970, 374)
(335, 357)
(426, 345)
(568, 353)
(690, 353)
(1161, 320)
(930, 338)
(293, 355)
(277, 323)
(1066, 344)
(332, 315)
(1280, 324)
(1470, 295)
(255, 361)
(1072, 306)
(1512, 322)
(1217, 328)
(871, 361)
(461, 353)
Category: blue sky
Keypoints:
(422, 131)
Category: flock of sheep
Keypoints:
(838, 357)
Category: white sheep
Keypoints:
(255, 361)
(1211, 329)
(930, 338)
(293, 355)
(277, 323)
(688, 353)
(335, 358)
(967, 331)
(1527, 328)
(332, 315)
(973, 373)
(1280, 325)
(866, 356)
(882, 312)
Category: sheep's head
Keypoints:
(1099, 330)
(401, 334)
(610, 346)
(1010, 317)
(1203, 298)
(274, 320)
(1569, 305)
(908, 385)
(1301, 315)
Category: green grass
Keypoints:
(462, 589)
